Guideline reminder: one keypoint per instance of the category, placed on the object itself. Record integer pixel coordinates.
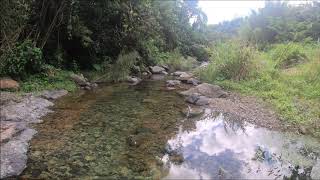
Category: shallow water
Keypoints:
(139, 132)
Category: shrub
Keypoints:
(199, 52)
(125, 62)
(231, 61)
(288, 55)
(39, 82)
(24, 59)
(176, 61)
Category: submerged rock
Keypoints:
(205, 89)
(54, 94)
(14, 154)
(192, 112)
(8, 83)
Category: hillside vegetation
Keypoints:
(273, 54)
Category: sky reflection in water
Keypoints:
(223, 147)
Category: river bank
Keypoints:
(19, 112)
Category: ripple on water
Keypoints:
(221, 146)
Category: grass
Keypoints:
(58, 80)
(294, 92)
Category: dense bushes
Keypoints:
(288, 55)
(23, 60)
(81, 35)
(232, 61)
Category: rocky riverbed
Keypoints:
(147, 128)
(18, 112)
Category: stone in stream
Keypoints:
(54, 94)
(156, 69)
(8, 84)
(178, 73)
(193, 81)
(133, 80)
(205, 89)
(193, 98)
(203, 100)
(192, 112)
(172, 83)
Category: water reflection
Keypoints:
(222, 146)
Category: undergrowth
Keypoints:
(294, 91)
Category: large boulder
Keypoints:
(208, 90)
(8, 84)
(13, 156)
(30, 110)
(156, 69)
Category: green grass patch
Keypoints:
(39, 82)
(294, 92)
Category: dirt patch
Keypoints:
(251, 109)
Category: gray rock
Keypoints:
(156, 69)
(14, 154)
(178, 73)
(205, 89)
(30, 110)
(185, 76)
(10, 129)
(9, 97)
(193, 81)
(193, 98)
(166, 67)
(172, 83)
(202, 101)
(133, 80)
(164, 73)
(145, 74)
(79, 79)
(55, 94)
(315, 172)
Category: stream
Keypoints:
(121, 131)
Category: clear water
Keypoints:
(122, 131)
